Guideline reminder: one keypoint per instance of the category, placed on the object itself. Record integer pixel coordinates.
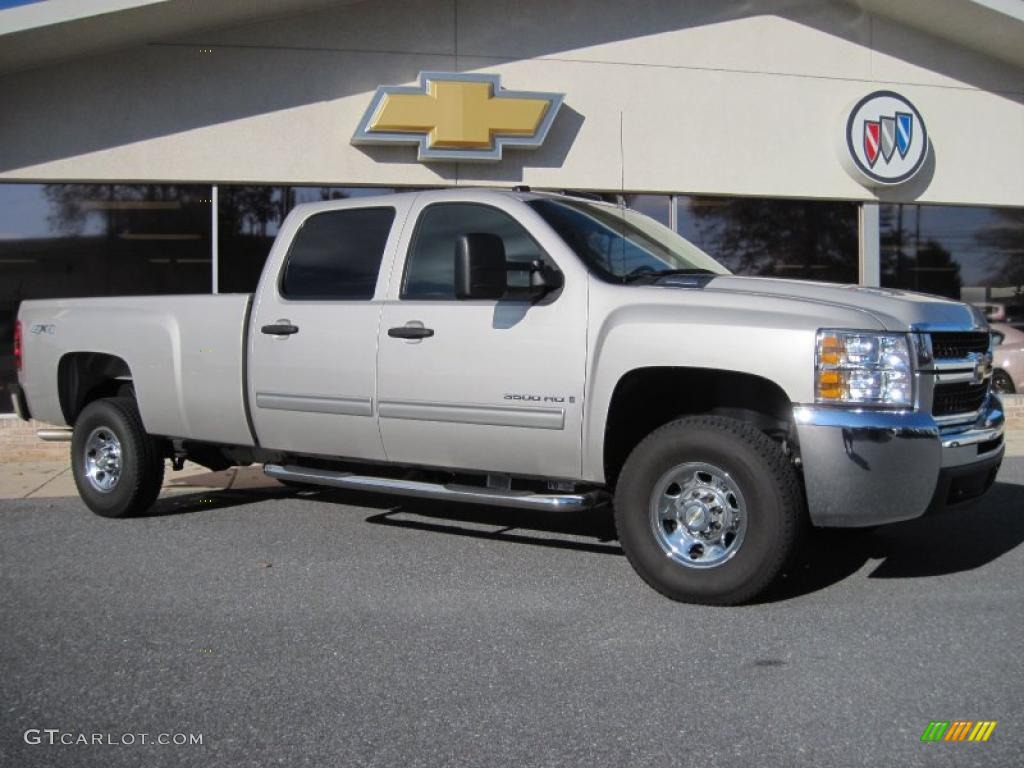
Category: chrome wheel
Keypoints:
(102, 459)
(698, 515)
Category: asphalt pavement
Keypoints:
(322, 629)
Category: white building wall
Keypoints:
(702, 97)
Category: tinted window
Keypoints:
(336, 255)
(802, 239)
(968, 253)
(68, 240)
(430, 273)
(247, 222)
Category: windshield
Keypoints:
(622, 245)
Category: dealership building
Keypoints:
(155, 146)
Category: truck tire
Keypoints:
(118, 468)
(709, 510)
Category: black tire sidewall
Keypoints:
(1001, 375)
(134, 484)
(770, 518)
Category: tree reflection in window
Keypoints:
(806, 239)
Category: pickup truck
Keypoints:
(541, 351)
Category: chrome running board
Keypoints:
(555, 502)
(54, 435)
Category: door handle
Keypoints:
(410, 332)
(280, 328)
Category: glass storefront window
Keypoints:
(66, 240)
(319, 194)
(963, 252)
(805, 239)
(248, 220)
(655, 206)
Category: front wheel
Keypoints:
(118, 468)
(709, 510)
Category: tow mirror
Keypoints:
(480, 270)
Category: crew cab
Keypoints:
(534, 350)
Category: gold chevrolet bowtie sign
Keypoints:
(458, 116)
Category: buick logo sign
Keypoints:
(885, 139)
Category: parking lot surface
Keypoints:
(316, 628)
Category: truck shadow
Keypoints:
(958, 540)
(206, 500)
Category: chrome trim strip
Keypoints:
(972, 437)
(342, 406)
(556, 502)
(957, 377)
(54, 435)
(488, 415)
(954, 364)
(964, 417)
(864, 418)
(979, 325)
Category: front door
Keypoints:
(489, 385)
(313, 337)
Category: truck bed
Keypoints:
(185, 354)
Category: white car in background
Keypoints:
(1008, 359)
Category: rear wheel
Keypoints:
(1002, 383)
(709, 510)
(117, 467)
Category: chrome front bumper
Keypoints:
(865, 467)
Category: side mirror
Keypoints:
(480, 271)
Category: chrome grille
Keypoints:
(962, 397)
(962, 368)
(957, 346)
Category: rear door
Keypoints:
(313, 334)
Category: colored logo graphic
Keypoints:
(458, 116)
(886, 139)
(959, 730)
(886, 135)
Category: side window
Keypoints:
(337, 254)
(430, 268)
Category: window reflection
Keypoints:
(969, 253)
(248, 219)
(65, 240)
(655, 206)
(806, 239)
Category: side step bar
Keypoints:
(54, 435)
(555, 502)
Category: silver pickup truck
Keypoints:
(540, 351)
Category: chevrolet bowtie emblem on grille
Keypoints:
(458, 116)
(982, 367)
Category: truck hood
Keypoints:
(894, 310)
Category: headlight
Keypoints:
(863, 368)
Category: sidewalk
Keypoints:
(49, 479)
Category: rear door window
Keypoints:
(337, 255)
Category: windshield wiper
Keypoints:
(654, 275)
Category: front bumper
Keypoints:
(864, 467)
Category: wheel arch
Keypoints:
(645, 398)
(83, 377)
